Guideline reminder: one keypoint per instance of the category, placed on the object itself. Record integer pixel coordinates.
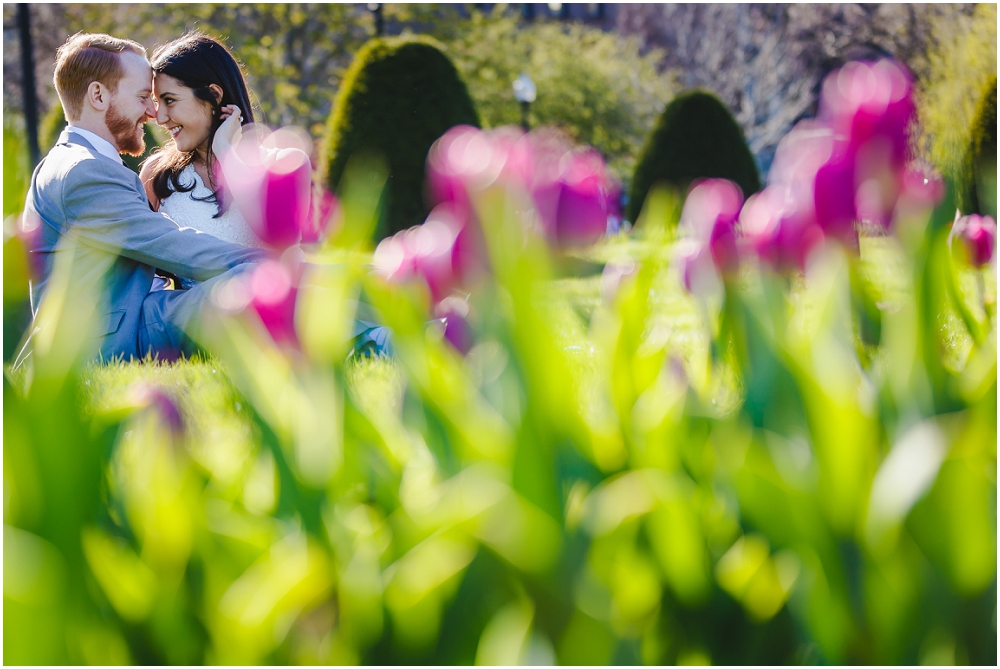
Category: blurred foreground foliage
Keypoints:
(617, 472)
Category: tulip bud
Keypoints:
(143, 395)
(272, 191)
(273, 295)
(454, 311)
(441, 251)
(978, 235)
(323, 211)
(573, 206)
(695, 267)
(710, 212)
(286, 200)
(775, 229)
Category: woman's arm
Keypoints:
(146, 175)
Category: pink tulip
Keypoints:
(776, 231)
(272, 190)
(870, 107)
(441, 251)
(834, 196)
(323, 211)
(164, 404)
(695, 267)
(273, 295)
(454, 311)
(923, 186)
(286, 200)
(573, 199)
(710, 211)
(466, 160)
(978, 235)
(431, 247)
(862, 101)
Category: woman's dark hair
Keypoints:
(198, 61)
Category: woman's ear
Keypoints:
(216, 93)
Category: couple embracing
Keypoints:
(167, 235)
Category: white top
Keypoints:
(102, 145)
(188, 212)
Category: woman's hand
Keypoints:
(229, 133)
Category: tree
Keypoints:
(294, 55)
(767, 62)
(960, 68)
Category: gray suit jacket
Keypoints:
(103, 201)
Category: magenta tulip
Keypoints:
(572, 200)
(776, 231)
(978, 235)
(324, 210)
(273, 295)
(272, 190)
(441, 251)
(286, 200)
(454, 311)
(834, 196)
(710, 212)
(163, 403)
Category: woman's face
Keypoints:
(186, 117)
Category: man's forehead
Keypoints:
(136, 64)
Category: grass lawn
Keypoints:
(221, 435)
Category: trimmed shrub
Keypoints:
(397, 98)
(983, 155)
(696, 137)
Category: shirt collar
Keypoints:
(103, 146)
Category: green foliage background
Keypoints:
(960, 70)
(695, 137)
(398, 98)
(983, 154)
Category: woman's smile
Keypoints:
(186, 117)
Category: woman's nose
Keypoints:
(160, 112)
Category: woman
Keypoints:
(203, 101)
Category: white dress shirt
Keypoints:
(103, 146)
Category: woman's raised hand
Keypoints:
(229, 133)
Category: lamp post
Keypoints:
(28, 82)
(524, 92)
(376, 9)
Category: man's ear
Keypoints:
(216, 92)
(98, 96)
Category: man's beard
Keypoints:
(127, 132)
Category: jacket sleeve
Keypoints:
(108, 210)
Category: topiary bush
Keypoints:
(982, 194)
(695, 137)
(397, 98)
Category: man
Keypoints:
(82, 188)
